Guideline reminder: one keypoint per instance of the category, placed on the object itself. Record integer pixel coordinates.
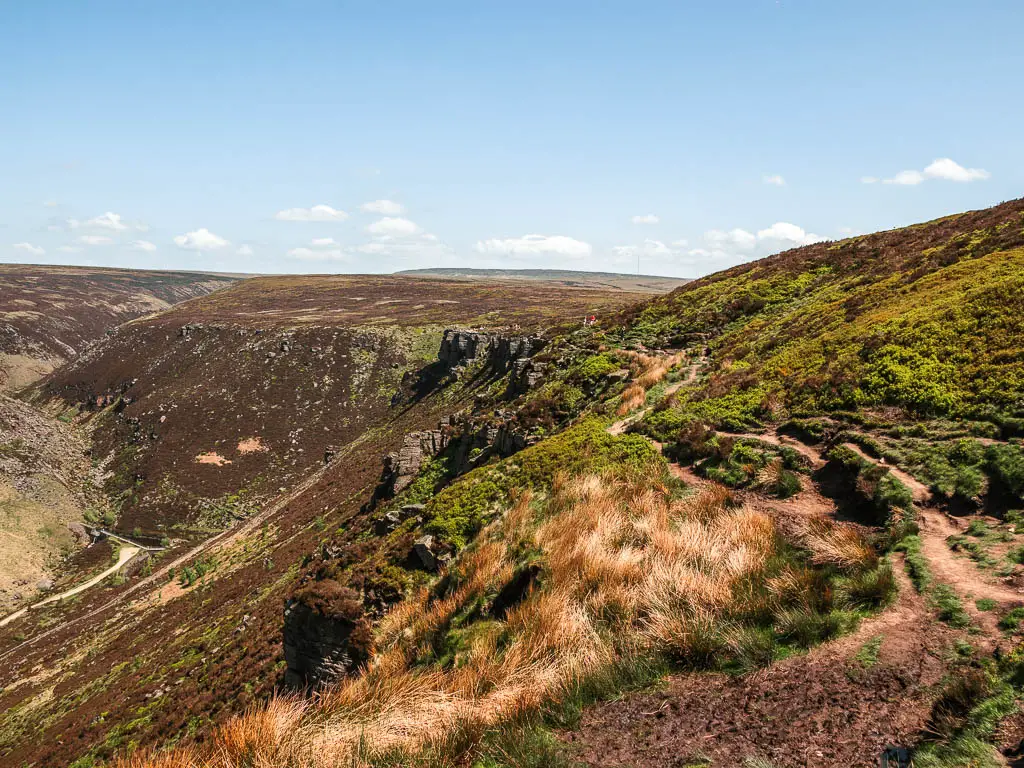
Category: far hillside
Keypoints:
(566, 277)
(49, 314)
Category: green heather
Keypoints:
(927, 319)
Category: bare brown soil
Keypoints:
(825, 708)
(821, 709)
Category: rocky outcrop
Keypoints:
(469, 443)
(401, 467)
(325, 634)
(461, 348)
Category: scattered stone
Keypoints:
(422, 550)
(80, 532)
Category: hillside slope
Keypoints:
(46, 483)
(926, 318)
(567, 277)
(788, 496)
(49, 314)
(823, 412)
(245, 431)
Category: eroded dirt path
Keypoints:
(920, 491)
(824, 708)
(621, 426)
(126, 554)
(773, 438)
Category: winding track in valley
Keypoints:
(126, 553)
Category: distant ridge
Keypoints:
(567, 277)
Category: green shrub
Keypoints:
(950, 609)
(806, 628)
(787, 485)
(870, 588)
(1011, 621)
(1006, 465)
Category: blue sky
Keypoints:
(373, 136)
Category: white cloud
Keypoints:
(69, 249)
(647, 248)
(774, 180)
(244, 250)
(942, 168)
(785, 231)
(108, 220)
(143, 245)
(200, 240)
(323, 242)
(535, 245)
(35, 250)
(737, 238)
(906, 178)
(383, 207)
(318, 254)
(316, 213)
(648, 218)
(95, 240)
(725, 248)
(680, 243)
(393, 227)
(50, 204)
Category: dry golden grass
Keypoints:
(647, 370)
(626, 567)
(835, 543)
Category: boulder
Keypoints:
(324, 635)
(81, 533)
(422, 552)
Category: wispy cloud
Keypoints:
(383, 207)
(395, 227)
(535, 245)
(200, 240)
(35, 250)
(322, 213)
(95, 240)
(943, 168)
(647, 218)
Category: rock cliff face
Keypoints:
(321, 642)
(460, 348)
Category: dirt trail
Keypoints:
(773, 438)
(126, 554)
(922, 495)
(819, 709)
(161, 575)
(622, 425)
(822, 709)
